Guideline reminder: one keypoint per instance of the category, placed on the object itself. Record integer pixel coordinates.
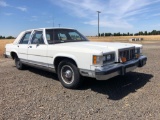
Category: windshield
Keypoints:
(63, 35)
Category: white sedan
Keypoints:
(71, 55)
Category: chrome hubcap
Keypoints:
(67, 74)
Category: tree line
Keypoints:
(154, 32)
(9, 37)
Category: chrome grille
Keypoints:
(129, 53)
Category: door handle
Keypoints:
(17, 45)
(30, 47)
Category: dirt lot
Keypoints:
(36, 94)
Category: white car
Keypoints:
(71, 55)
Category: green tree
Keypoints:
(118, 34)
(149, 33)
(146, 33)
(10, 37)
(153, 32)
(2, 37)
(141, 33)
(158, 32)
(102, 34)
(136, 34)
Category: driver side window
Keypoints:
(62, 36)
(75, 36)
(37, 38)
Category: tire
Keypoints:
(18, 64)
(68, 74)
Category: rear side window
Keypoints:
(25, 38)
(37, 38)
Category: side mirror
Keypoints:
(37, 44)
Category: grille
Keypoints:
(129, 54)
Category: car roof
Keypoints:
(50, 28)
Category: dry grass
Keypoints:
(124, 38)
(3, 42)
(148, 39)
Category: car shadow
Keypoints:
(115, 88)
(43, 73)
(118, 87)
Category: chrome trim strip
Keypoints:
(33, 62)
(41, 65)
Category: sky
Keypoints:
(116, 15)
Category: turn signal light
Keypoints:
(123, 59)
(94, 60)
(137, 55)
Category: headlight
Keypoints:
(137, 51)
(140, 50)
(109, 58)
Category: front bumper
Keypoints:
(104, 73)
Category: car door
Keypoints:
(22, 46)
(37, 49)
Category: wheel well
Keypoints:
(13, 55)
(59, 59)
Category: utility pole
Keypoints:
(59, 25)
(53, 22)
(98, 22)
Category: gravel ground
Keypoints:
(36, 94)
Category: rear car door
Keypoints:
(22, 46)
(37, 49)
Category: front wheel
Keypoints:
(68, 74)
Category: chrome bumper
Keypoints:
(106, 72)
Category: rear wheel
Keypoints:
(68, 74)
(18, 63)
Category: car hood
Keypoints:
(98, 46)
